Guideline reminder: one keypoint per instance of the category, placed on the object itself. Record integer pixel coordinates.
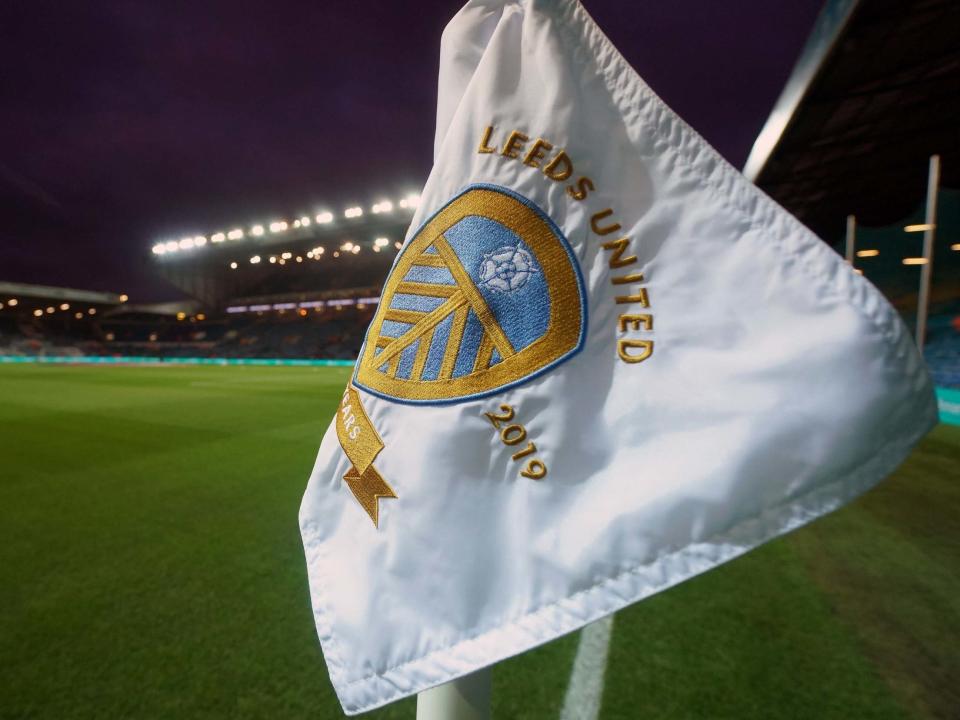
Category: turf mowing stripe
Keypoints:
(585, 691)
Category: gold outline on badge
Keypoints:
(565, 327)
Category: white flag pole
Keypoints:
(466, 698)
(929, 233)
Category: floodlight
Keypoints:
(324, 217)
(255, 259)
(233, 266)
(353, 212)
(186, 243)
(235, 234)
(256, 230)
(278, 226)
(218, 237)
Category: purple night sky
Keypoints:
(123, 123)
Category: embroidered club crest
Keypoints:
(487, 295)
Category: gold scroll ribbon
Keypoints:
(361, 443)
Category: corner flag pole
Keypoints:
(929, 233)
(466, 698)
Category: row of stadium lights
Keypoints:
(348, 248)
(409, 203)
(303, 307)
(51, 309)
(920, 227)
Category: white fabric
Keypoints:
(781, 385)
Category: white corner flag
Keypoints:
(603, 362)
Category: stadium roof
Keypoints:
(875, 92)
(48, 292)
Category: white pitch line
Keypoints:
(585, 690)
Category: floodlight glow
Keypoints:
(384, 206)
(124, 297)
(920, 227)
(348, 246)
(172, 246)
(915, 261)
(235, 234)
(181, 315)
(65, 306)
(324, 217)
(309, 253)
(255, 259)
(355, 249)
(956, 247)
(273, 259)
(410, 202)
(376, 248)
(38, 312)
(201, 316)
(867, 253)
(12, 302)
(218, 237)
(282, 261)
(92, 311)
(186, 243)
(50, 309)
(286, 255)
(305, 221)
(199, 241)
(398, 244)
(381, 242)
(296, 223)
(318, 251)
(256, 230)
(159, 249)
(299, 259)
(233, 266)
(78, 315)
(353, 212)
(278, 226)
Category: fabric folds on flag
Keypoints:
(603, 362)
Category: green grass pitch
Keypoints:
(150, 567)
